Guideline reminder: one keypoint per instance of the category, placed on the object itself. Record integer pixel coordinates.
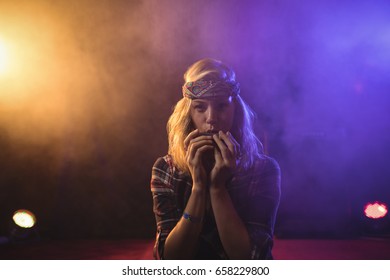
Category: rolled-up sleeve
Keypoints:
(257, 202)
(164, 204)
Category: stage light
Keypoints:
(375, 219)
(23, 228)
(24, 218)
(3, 57)
(375, 210)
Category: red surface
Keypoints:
(284, 249)
(325, 249)
(81, 250)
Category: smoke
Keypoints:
(90, 86)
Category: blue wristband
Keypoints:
(191, 218)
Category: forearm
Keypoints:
(182, 240)
(232, 231)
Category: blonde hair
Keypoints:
(180, 124)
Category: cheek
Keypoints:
(196, 120)
(229, 119)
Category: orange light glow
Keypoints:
(24, 218)
(3, 57)
(61, 80)
(44, 76)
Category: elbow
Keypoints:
(241, 250)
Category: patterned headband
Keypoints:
(205, 89)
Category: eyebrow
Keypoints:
(199, 101)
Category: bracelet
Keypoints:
(191, 218)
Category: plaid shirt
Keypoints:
(255, 195)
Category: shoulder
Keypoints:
(263, 168)
(266, 177)
(266, 172)
(164, 163)
(164, 173)
(163, 168)
(266, 164)
(262, 178)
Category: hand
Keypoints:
(226, 159)
(197, 146)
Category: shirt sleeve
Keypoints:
(262, 202)
(164, 204)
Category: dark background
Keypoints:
(86, 88)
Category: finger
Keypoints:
(201, 138)
(195, 146)
(196, 136)
(198, 153)
(237, 146)
(231, 143)
(226, 153)
(228, 141)
(204, 148)
(234, 141)
(189, 137)
(199, 143)
(218, 157)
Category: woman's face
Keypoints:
(213, 114)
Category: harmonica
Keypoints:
(206, 134)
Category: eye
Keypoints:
(223, 105)
(200, 107)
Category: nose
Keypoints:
(211, 116)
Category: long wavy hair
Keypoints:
(180, 123)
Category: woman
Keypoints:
(215, 194)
